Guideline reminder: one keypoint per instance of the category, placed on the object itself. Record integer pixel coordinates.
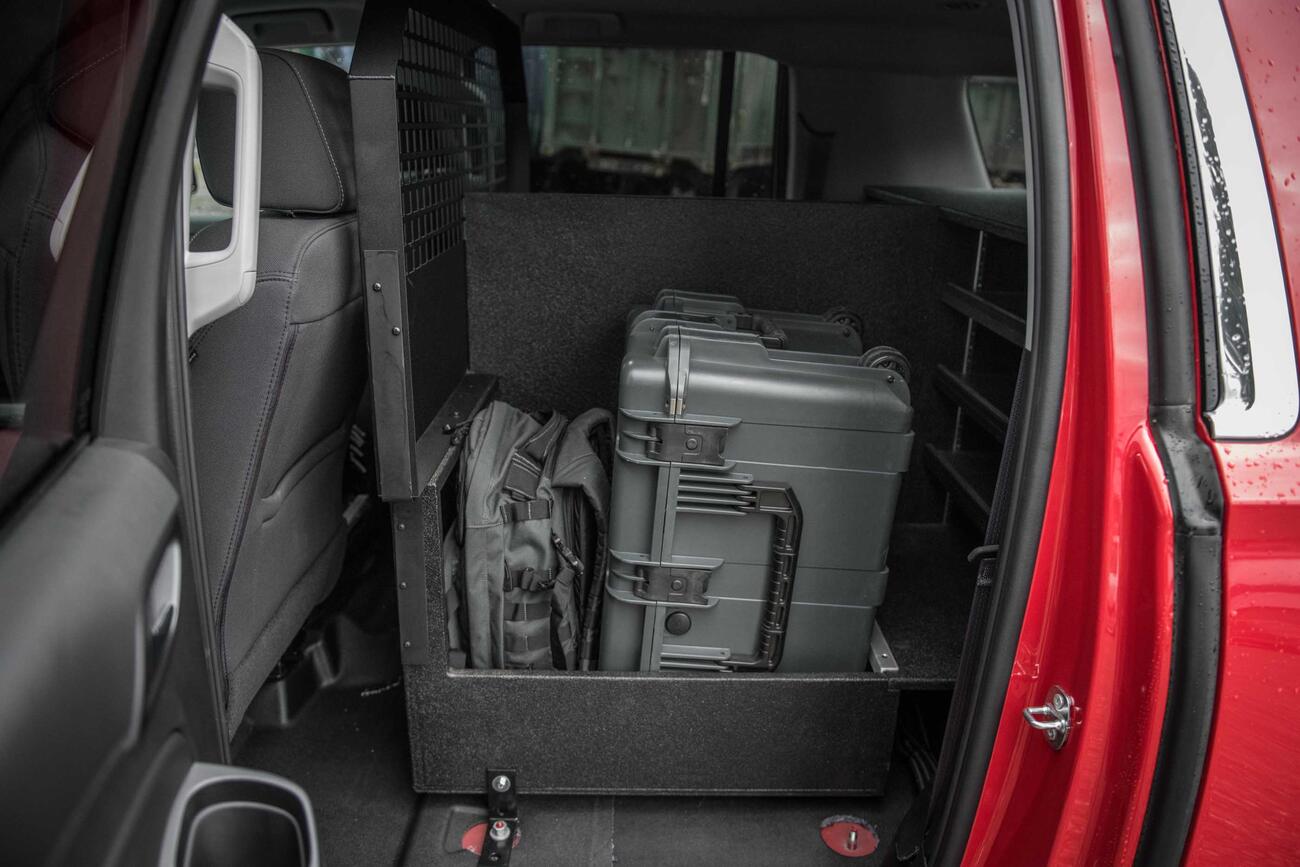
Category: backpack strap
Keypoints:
(529, 458)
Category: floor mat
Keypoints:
(637, 831)
(928, 602)
(348, 751)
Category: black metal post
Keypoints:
(722, 141)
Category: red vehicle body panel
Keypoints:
(1099, 615)
(1251, 790)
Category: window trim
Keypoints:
(1243, 400)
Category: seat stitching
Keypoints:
(230, 558)
(267, 626)
(83, 70)
(333, 433)
(19, 329)
(344, 306)
(265, 417)
(337, 224)
(320, 129)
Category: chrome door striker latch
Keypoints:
(1054, 719)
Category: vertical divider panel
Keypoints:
(439, 110)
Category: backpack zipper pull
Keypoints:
(566, 554)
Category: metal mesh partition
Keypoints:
(451, 132)
(439, 111)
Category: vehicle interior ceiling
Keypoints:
(899, 209)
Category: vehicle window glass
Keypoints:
(753, 127)
(67, 82)
(204, 209)
(995, 109)
(339, 55)
(646, 120)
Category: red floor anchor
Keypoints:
(849, 836)
(472, 839)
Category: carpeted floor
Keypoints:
(631, 832)
(348, 751)
(928, 601)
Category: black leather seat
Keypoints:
(275, 383)
(48, 127)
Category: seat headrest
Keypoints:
(307, 158)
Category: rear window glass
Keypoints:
(647, 121)
(339, 55)
(995, 109)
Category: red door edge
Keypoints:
(1099, 615)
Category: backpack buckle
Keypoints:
(526, 510)
(528, 579)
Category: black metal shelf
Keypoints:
(981, 395)
(997, 212)
(984, 309)
(969, 477)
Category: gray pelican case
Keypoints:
(753, 493)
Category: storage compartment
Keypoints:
(625, 732)
(232, 817)
(526, 298)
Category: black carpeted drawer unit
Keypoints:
(633, 733)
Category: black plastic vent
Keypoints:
(451, 128)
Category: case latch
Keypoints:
(673, 585)
(688, 444)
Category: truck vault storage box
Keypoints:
(753, 497)
(819, 733)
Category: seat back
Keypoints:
(276, 382)
(48, 126)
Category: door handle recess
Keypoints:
(162, 607)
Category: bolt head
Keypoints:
(402, 585)
(501, 783)
(378, 287)
(396, 330)
(406, 644)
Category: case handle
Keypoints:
(778, 500)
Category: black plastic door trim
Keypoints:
(1193, 482)
(1048, 177)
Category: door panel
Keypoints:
(76, 572)
(107, 698)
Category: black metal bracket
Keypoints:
(502, 820)
(673, 584)
(688, 444)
